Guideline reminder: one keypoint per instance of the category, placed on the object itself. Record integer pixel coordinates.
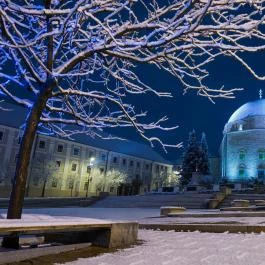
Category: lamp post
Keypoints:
(89, 178)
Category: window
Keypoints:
(71, 184)
(58, 163)
(157, 168)
(86, 186)
(42, 144)
(74, 167)
(1, 135)
(147, 166)
(115, 159)
(261, 155)
(138, 164)
(131, 163)
(54, 183)
(35, 181)
(91, 154)
(59, 148)
(88, 169)
(242, 155)
(76, 151)
(103, 157)
(124, 161)
(241, 172)
(261, 174)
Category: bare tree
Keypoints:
(173, 179)
(114, 178)
(75, 62)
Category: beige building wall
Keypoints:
(63, 168)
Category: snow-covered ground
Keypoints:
(200, 220)
(171, 248)
(142, 215)
(164, 247)
(99, 213)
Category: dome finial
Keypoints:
(260, 94)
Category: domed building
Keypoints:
(243, 145)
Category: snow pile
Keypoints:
(171, 248)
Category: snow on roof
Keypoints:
(16, 117)
(253, 108)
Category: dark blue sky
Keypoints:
(194, 112)
(190, 111)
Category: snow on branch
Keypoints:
(81, 57)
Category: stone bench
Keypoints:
(167, 210)
(259, 202)
(99, 232)
(240, 203)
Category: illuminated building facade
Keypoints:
(61, 167)
(243, 145)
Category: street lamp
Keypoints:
(89, 178)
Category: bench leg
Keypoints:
(123, 235)
(11, 241)
(120, 235)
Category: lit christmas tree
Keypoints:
(191, 157)
(204, 157)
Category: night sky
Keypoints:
(190, 111)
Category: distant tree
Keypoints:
(159, 179)
(97, 180)
(195, 157)
(173, 179)
(115, 178)
(47, 171)
(191, 157)
(204, 166)
(74, 63)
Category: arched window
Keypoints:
(261, 172)
(241, 170)
(261, 154)
(242, 154)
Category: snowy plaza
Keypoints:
(165, 247)
(132, 132)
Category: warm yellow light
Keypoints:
(91, 161)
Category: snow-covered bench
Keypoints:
(167, 210)
(99, 232)
(240, 203)
(259, 202)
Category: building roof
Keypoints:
(16, 115)
(253, 108)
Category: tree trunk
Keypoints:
(19, 184)
(43, 188)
